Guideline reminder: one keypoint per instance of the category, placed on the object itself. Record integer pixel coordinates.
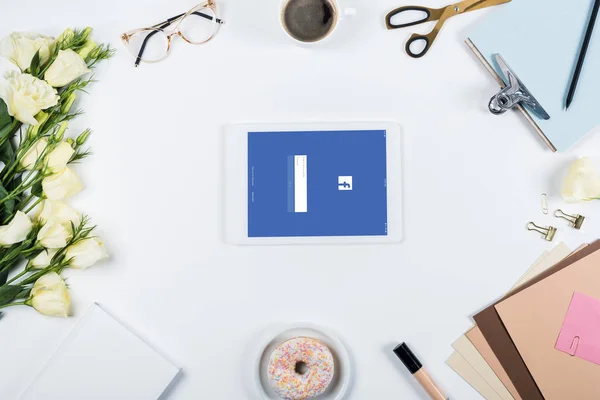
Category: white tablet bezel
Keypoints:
(236, 182)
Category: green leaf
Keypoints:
(37, 190)
(4, 132)
(8, 206)
(14, 183)
(5, 119)
(23, 294)
(34, 68)
(3, 275)
(9, 293)
(8, 130)
(7, 153)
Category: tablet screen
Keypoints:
(317, 183)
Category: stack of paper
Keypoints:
(544, 327)
(100, 360)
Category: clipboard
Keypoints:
(531, 37)
(500, 81)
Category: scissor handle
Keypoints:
(428, 39)
(429, 16)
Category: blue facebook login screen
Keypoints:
(330, 183)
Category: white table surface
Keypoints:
(471, 182)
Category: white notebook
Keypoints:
(102, 359)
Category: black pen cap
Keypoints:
(408, 358)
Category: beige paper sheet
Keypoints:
(545, 261)
(534, 318)
(556, 255)
(466, 371)
(466, 349)
(479, 356)
(559, 253)
(481, 345)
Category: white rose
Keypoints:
(582, 182)
(25, 96)
(6, 67)
(20, 48)
(67, 67)
(58, 210)
(86, 253)
(62, 185)
(43, 259)
(49, 296)
(54, 235)
(16, 231)
(33, 154)
(59, 157)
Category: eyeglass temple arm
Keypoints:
(163, 25)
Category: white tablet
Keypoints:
(313, 183)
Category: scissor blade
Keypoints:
(472, 5)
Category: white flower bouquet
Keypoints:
(40, 235)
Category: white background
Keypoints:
(471, 182)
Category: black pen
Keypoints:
(582, 53)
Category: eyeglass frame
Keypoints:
(160, 27)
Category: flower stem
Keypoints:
(26, 201)
(34, 277)
(38, 201)
(32, 250)
(22, 188)
(16, 277)
(11, 131)
(20, 303)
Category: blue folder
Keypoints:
(540, 40)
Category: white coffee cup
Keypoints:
(337, 15)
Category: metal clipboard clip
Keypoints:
(514, 93)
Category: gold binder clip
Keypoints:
(575, 220)
(548, 232)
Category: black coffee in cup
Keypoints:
(309, 20)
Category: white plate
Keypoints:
(340, 385)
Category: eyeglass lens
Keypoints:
(199, 26)
(153, 44)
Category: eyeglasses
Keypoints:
(153, 44)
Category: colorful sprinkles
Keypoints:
(293, 383)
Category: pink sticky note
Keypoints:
(580, 333)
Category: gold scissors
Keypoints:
(432, 14)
